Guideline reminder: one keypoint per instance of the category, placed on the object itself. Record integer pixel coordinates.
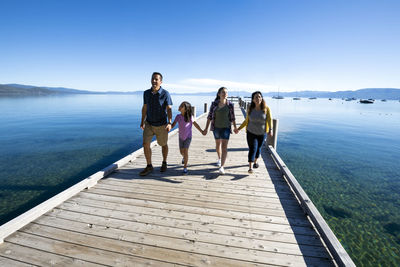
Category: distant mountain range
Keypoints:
(375, 93)
(28, 90)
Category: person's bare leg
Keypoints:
(185, 157)
(224, 152)
(218, 147)
(147, 152)
(165, 152)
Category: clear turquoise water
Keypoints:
(346, 156)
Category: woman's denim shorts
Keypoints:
(222, 133)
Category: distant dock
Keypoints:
(118, 218)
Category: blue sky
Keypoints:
(115, 45)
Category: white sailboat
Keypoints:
(278, 96)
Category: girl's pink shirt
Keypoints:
(185, 128)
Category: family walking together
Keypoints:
(157, 120)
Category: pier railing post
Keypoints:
(272, 141)
(205, 107)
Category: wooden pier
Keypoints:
(168, 219)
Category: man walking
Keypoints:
(156, 120)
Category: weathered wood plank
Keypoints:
(152, 233)
(161, 209)
(283, 192)
(119, 252)
(24, 255)
(132, 244)
(175, 222)
(203, 196)
(7, 262)
(311, 240)
(80, 250)
(273, 211)
(225, 194)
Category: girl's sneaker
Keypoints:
(221, 170)
(185, 171)
(219, 163)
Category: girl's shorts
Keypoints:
(185, 143)
(222, 133)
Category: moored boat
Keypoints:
(367, 101)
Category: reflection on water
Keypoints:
(344, 154)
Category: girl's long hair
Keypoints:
(263, 106)
(219, 91)
(188, 111)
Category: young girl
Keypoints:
(185, 122)
(258, 123)
(221, 117)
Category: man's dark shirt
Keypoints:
(157, 106)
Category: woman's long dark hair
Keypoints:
(188, 111)
(219, 91)
(263, 106)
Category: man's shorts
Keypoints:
(159, 131)
(185, 143)
(222, 133)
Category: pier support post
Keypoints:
(205, 107)
(273, 141)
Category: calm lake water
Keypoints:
(346, 155)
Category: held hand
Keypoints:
(168, 127)
(236, 131)
(204, 132)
